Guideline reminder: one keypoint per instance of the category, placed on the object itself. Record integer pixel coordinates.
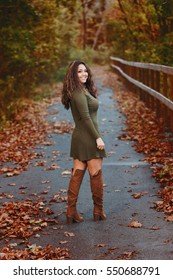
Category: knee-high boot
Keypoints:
(96, 183)
(73, 191)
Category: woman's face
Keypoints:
(82, 73)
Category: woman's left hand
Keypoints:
(100, 144)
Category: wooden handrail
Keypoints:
(157, 67)
(153, 83)
(151, 91)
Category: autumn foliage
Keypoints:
(38, 39)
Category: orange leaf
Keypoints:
(135, 224)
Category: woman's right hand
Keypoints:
(100, 144)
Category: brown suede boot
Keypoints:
(97, 195)
(73, 191)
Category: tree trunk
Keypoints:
(84, 23)
(98, 32)
(101, 24)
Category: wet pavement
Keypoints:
(124, 173)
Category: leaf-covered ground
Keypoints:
(150, 137)
(19, 137)
(20, 220)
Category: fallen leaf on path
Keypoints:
(54, 166)
(166, 241)
(57, 197)
(63, 242)
(155, 228)
(47, 143)
(158, 203)
(138, 195)
(127, 255)
(45, 181)
(124, 137)
(40, 163)
(134, 183)
(12, 245)
(63, 190)
(14, 173)
(22, 192)
(63, 127)
(6, 195)
(169, 218)
(44, 224)
(112, 249)
(101, 245)
(69, 234)
(33, 194)
(66, 172)
(22, 187)
(135, 224)
(125, 157)
(48, 211)
(45, 192)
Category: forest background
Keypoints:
(39, 38)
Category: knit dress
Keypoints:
(83, 143)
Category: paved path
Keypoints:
(124, 172)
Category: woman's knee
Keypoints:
(77, 164)
(94, 166)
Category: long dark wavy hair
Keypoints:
(71, 83)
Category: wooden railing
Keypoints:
(153, 83)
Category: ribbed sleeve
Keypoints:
(81, 106)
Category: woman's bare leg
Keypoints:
(77, 164)
(94, 165)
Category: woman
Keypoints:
(87, 147)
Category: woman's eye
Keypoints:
(80, 71)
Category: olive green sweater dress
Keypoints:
(83, 143)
